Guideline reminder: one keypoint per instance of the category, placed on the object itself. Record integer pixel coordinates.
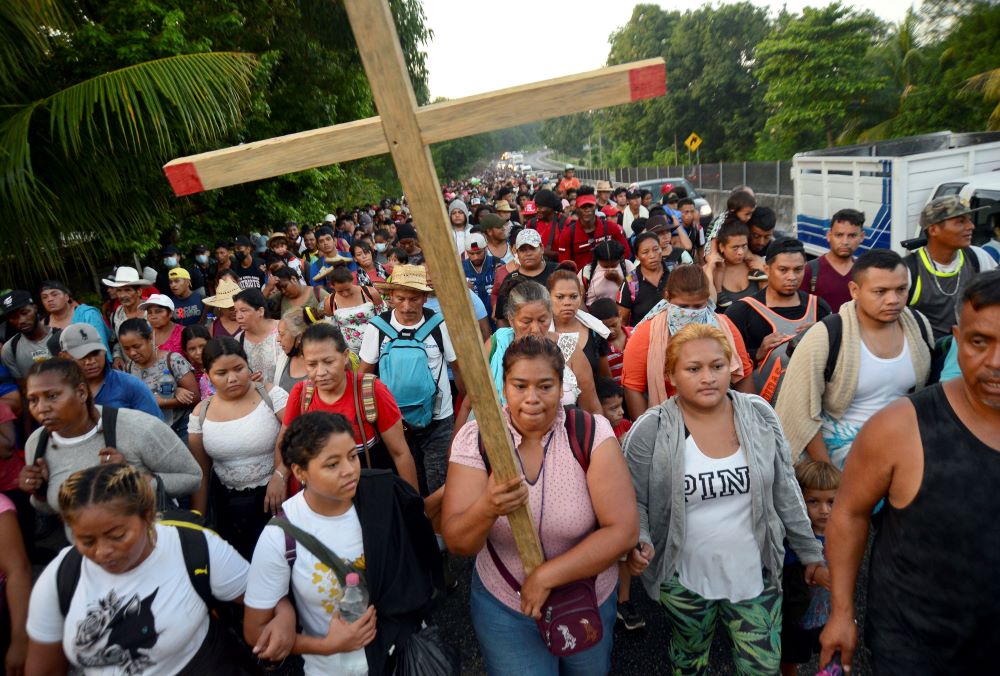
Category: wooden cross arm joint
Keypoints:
(405, 131)
(437, 122)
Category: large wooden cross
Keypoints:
(406, 131)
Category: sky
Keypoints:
(506, 31)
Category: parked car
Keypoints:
(656, 186)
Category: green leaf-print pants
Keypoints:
(754, 628)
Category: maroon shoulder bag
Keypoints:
(571, 619)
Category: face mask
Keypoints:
(202, 259)
(506, 230)
(679, 317)
(380, 246)
(170, 261)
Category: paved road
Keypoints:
(641, 652)
(539, 160)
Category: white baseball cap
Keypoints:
(475, 242)
(528, 237)
(158, 300)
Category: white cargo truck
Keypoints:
(891, 181)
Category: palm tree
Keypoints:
(79, 165)
(989, 84)
(903, 59)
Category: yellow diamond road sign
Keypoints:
(693, 142)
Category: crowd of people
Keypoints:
(234, 445)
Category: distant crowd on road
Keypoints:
(262, 454)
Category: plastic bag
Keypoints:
(427, 654)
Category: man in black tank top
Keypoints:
(934, 592)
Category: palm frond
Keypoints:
(989, 84)
(26, 28)
(86, 146)
(205, 91)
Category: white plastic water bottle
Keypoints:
(354, 602)
(353, 605)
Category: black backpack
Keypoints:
(228, 616)
(196, 561)
(558, 222)
(53, 341)
(109, 423)
(835, 332)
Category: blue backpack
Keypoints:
(404, 366)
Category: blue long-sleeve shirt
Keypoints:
(123, 390)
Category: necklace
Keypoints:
(958, 275)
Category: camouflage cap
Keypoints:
(942, 208)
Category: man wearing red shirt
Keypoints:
(579, 236)
(569, 180)
(547, 221)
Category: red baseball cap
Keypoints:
(610, 210)
(586, 199)
(529, 209)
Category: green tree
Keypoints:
(713, 90)
(107, 197)
(956, 94)
(631, 133)
(568, 134)
(903, 61)
(457, 158)
(989, 84)
(75, 147)
(314, 78)
(711, 87)
(816, 71)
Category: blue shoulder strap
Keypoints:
(429, 325)
(384, 327)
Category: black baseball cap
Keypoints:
(15, 300)
(242, 240)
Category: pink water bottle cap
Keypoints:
(353, 579)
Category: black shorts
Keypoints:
(798, 645)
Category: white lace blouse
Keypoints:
(242, 450)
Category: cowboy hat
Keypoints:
(126, 276)
(224, 293)
(411, 277)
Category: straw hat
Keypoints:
(330, 265)
(126, 276)
(223, 294)
(410, 277)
